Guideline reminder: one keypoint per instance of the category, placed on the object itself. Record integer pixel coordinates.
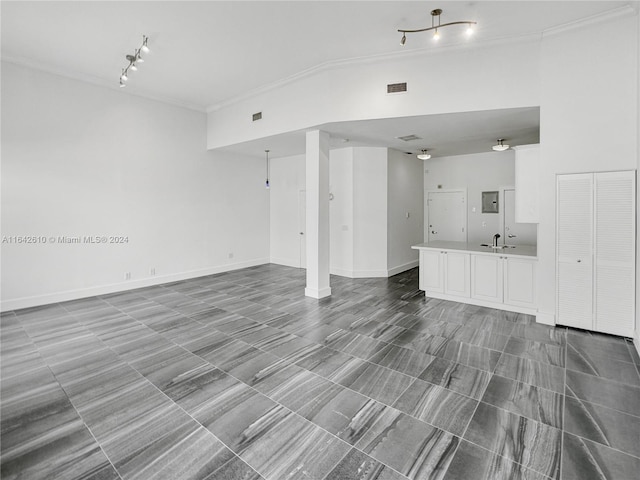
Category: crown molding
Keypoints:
(392, 56)
(623, 11)
(97, 81)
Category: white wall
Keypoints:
(358, 211)
(588, 118)
(450, 80)
(341, 214)
(476, 173)
(370, 212)
(84, 160)
(405, 195)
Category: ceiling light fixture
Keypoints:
(134, 60)
(500, 147)
(266, 184)
(436, 35)
(424, 155)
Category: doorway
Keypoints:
(515, 233)
(302, 227)
(446, 216)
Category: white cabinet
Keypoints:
(456, 274)
(502, 279)
(520, 282)
(595, 264)
(444, 272)
(431, 271)
(486, 277)
(527, 167)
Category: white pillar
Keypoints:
(317, 185)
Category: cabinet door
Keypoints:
(574, 269)
(486, 278)
(457, 274)
(520, 282)
(614, 272)
(431, 271)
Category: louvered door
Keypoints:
(596, 238)
(614, 273)
(574, 250)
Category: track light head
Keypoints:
(134, 60)
(436, 25)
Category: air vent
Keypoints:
(257, 116)
(409, 138)
(397, 87)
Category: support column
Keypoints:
(317, 223)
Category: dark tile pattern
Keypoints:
(239, 376)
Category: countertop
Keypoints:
(474, 247)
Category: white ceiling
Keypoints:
(205, 53)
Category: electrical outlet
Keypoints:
(152, 271)
(230, 254)
(127, 275)
(484, 224)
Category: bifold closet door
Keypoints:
(574, 267)
(614, 272)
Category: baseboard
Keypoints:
(317, 293)
(34, 301)
(482, 303)
(402, 268)
(546, 318)
(287, 262)
(359, 273)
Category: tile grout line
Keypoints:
(84, 423)
(278, 403)
(564, 401)
(161, 392)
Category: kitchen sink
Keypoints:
(497, 247)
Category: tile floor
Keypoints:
(239, 376)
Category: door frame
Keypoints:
(502, 209)
(426, 209)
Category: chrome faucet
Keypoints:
(495, 239)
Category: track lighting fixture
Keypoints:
(134, 60)
(266, 184)
(436, 25)
(500, 147)
(424, 155)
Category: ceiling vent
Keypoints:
(409, 138)
(257, 116)
(397, 87)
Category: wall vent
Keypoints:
(397, 87)
(257, 116)
(408, 138)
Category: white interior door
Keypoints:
(574, 250)
(615, 248)
(302, 220)
(447, 216)
(516, 233)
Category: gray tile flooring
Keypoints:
(239, 376)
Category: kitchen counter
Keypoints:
(474, 247)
